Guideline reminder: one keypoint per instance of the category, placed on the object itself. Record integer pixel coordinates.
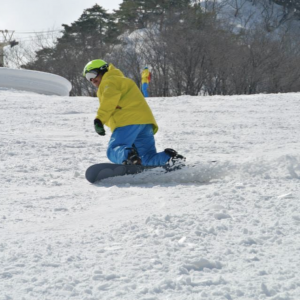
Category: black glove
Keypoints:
(99, 127)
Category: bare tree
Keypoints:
(25, 51)
(275, 16)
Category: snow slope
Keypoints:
(217, 231)
(248, 14)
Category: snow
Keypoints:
(217, 231)
(34, 81)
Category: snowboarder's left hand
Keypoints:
(99, 127)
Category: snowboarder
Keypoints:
(124, 109)
(146, 77)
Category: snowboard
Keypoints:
(102, 171)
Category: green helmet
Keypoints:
(95, 64)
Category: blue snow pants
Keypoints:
(140, 137)
(145, 89)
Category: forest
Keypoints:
(225, 47)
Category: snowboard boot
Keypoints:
(176, 160)
(133, 158)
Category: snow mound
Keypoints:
(282, 167)
(34, 81)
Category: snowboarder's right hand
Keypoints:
(99, 127)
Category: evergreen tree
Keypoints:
(139, 14)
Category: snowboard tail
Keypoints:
(102, 171)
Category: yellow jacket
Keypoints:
(121, 102)
(145, 76)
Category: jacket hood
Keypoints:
(113, 71)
